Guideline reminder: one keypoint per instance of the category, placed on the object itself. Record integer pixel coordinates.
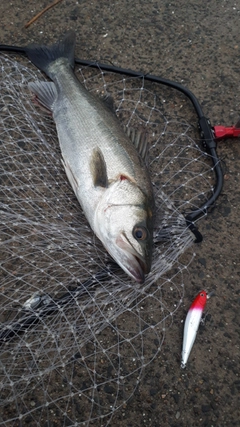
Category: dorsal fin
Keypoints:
(108, 100)
(139, 140)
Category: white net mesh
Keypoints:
(76, 333)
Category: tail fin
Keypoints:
(44, 56)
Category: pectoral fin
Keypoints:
(98, 169)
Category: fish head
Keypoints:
(125, 227)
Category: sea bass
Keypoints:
(108, 175)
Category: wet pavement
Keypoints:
(197, 45)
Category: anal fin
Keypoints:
(45, 92)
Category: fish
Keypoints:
(104, 166)
(191, 325)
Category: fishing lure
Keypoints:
(191, 325)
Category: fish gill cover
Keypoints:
(76, 332)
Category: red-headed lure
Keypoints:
(191, 325)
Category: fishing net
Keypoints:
(76, 332)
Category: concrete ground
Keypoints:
(197, 44)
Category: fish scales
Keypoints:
(107, 174)
(85, 122)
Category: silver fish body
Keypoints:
(107, 174)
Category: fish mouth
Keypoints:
(135, 269)
(131, 262)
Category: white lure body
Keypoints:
(192, 324)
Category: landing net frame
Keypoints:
(39, 306)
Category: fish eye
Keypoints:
(140, 233)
